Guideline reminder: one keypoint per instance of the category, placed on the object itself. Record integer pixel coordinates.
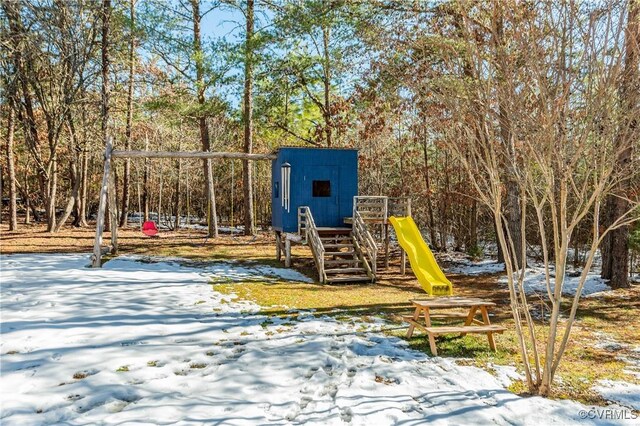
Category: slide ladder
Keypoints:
(423, 263)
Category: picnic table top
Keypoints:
(451, 302)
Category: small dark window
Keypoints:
(322, 188)
(276, 189)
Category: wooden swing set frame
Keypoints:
(107, 190)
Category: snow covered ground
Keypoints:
(534, 281)
(150, 342)
(464, 266)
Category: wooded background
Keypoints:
(415, 85)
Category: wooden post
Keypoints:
(287, 252)
(95, 259)
(191, 154)
(403, 266)
(386, 244)
(278, 247)
(211, 197)
(1, 205)
(113, 212)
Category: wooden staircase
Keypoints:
(342, 261)
(339, 253)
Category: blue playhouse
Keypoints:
(325, 180)
(315, 202)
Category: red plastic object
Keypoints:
(149, 228)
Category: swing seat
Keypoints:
(149, 228)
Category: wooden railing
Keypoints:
(365, 244)
(399, 206)
(371, 208)
(309, 232)
(377, 209)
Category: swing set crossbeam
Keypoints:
(190, 154)
(107, 190)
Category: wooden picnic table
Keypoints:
(473, 306)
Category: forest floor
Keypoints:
(602, 362)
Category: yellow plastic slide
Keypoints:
(423, 264)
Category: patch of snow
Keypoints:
(632, 359)
(608, 343)
(506, 374)
(225, 271)
(151, 342)
(221, 229)
(535, 282)
(626, 394)
(283, 273)
(469, 267)
(610, 346)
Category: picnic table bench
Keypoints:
(471, 323)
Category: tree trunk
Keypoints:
(29, 207)
(127, 164)
(473, 227)
(17, 34)
(505, 93)
(11, 169)
(444, 209)
(204, 129)
(432, 223)
(75, 178)
(52, 190)
(75, 182)
(106, 90)
(145, 182)
(615, 247)
(81, 214)
(160, 194)
(499, 253)
(326, 31)
(82, 200)
(249, 219)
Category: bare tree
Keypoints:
(126, 179)
(204, 129)
(11, 170)
(249, 220)
(11, 127)
(615, 247)
(563, 176)
(106, 85)
(505, 93)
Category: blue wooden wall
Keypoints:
(338, 166)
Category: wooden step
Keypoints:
(444, 315)
(350, 279)
(436, 331)
(339, 253)
(329, 231)
(341, 262)
(342, 245)
(343, 270)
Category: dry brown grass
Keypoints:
(191, 244)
